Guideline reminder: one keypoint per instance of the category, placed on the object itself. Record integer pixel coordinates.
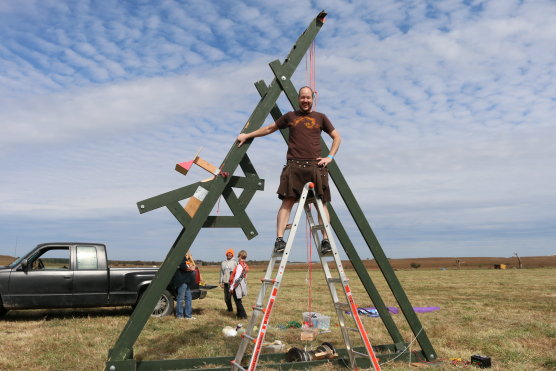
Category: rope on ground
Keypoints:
(408, 347)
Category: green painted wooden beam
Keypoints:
(251, 174)
(223, 221)
(164, 199)
(239, 212)
(384, 353)
(381, 259)
(364, 277)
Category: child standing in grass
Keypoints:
(238, 283)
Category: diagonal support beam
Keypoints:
(239, 212)
(370, 238)
(251, 174)
(377, 251)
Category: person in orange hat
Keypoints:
(226, 269)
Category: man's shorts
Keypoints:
(297, 173)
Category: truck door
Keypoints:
(90, 281)
(47, 281)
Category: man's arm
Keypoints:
(261, 132)
(336, 140)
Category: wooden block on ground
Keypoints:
(309, 334)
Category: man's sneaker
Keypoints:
(325, 247)
(279, 245)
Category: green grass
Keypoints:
(508, 315)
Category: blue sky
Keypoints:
(446, 109)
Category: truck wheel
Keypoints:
(3, 311)
(165, 305)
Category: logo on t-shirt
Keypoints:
(309, 122)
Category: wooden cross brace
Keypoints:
(196, 192)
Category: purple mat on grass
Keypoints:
(425, 309)
(372, 312)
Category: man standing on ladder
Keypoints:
(304, 163)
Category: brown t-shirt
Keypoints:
(305, 130)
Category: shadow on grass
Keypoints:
(52, 314)
(167, 346)
(225, 314)
(190, 339)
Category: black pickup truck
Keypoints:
(76, 275)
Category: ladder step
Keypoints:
(258, 308)
(344, 306)
(248, 336)
(335, 280)
(352, 329)
(268, 280)
(360, 354)
(318, 227)
(288, 226)
(237, 365)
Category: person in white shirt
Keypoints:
(226, 269)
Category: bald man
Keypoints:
(304, 163)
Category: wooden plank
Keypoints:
(192, 206)
(207, 166)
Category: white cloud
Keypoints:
(446, 113)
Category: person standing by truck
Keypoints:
(238, 283)
(226, 269)
(183, 279)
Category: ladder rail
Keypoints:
(283, 258)
(331, 286)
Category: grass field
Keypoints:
(509, 315)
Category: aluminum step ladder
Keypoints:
(346, 308)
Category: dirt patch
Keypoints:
(450, 263)
(5, 259)
(469, 262)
